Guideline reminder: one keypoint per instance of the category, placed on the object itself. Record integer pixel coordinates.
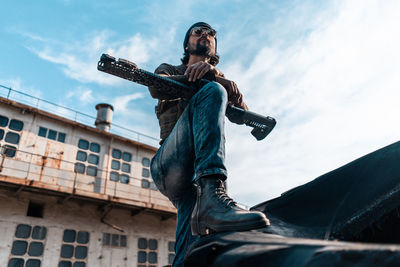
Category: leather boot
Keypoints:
(215, 211)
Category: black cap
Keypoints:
(198, 24)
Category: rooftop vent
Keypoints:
(104, 116)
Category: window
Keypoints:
(121, 163)
(114, 176)
(147, 252)
(91, 170)
(124, 179)
(114, 240)
(146, 183)
(3, 121)
(28, 245)
(171, 252)
(146, 162)
(74, 248)
(145, 172)
(94, 147)
(51, 134)
(116, 153)
(9, 151)
(92, 160)
(81, 156)
(127, 156)
(10, 135)
(83, 144)
(42, 132)
(19, 247)
(61, 137)
(79, 168)
(23, 231)
(12, 138)
(16, 125)
(35, 210)
(126, 168)
(115, 165)
(39, 232)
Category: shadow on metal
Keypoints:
(357, 202)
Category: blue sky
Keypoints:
(328, 71)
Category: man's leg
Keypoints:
(214, 211)
(174, 166)
(196, 149)
(187, 154)
(196, 145)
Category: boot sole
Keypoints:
(205, 229)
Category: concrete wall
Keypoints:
(82, 216)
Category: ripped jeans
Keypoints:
(195, 148)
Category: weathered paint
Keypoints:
(83, 216)
(43, 171)
(51, 163)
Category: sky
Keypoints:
(327, 71)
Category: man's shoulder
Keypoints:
(169, 69)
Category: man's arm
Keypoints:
(193, 73)
(201, 69)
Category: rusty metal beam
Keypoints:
(19, 189)
(107, 210)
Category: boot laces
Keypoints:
(223, 196)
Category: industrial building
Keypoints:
(76, 195)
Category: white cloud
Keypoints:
(82, 94)
(333, 92)
(129, 116)
(120, 103)
(79, 59)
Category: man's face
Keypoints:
(201, 43)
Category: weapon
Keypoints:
(125, 69)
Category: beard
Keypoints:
(200, 49)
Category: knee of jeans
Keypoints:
(215, 91)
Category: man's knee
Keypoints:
(214, 91)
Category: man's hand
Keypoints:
(234, 96)
(197, 70)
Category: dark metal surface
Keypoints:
(346, 203)
(359, 202)
(258, 249)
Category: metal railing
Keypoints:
(74, 115)
(60, 175)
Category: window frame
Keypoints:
(76, 246)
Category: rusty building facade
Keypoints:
(77, 195)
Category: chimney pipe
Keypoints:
(104, 116)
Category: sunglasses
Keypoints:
(198, 31)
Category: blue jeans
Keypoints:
(195, 148)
